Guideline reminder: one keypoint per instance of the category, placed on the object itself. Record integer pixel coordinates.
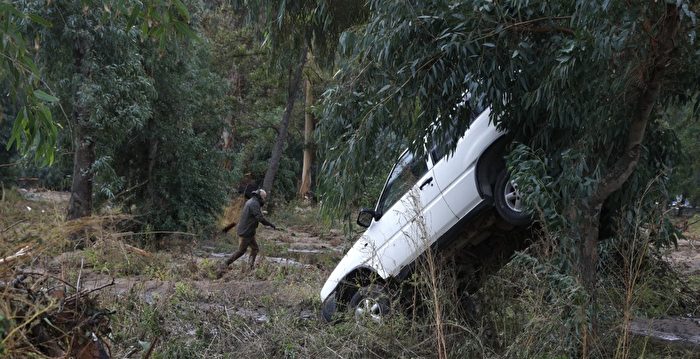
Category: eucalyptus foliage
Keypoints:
(559, 76)
(146, 98)
(579, 86)
(170, 172)
(34, 127)
(686, 177)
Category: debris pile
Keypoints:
(43, 315)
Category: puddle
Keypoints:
(678, 330)
(306, 251)
(287, 262)
(275, 260)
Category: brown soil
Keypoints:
(686, 257)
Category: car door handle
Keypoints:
(427, 182)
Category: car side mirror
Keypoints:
(366, 216)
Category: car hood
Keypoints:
(361, 255)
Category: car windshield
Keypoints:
(407, 171)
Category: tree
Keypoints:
(94, 59)
(309, 144)
(91, 55)
(169, 171)
(577, 84)
(295, 28)
(257, 97)
(287, 28)
(34, 128)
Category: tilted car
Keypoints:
(425, 201)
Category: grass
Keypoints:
(523, 311)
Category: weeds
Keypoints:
(527, 309)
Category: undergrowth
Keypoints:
(528, 309)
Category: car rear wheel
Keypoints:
(508, 201)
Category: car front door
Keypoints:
(413, 215)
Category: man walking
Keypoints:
(247, 225)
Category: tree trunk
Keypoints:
(80, 204)
(309, 145)
(589, 228)
(292, 92)
(621, 170)
(152, 158)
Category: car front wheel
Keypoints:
(508, 201)
(370, 304)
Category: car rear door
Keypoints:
(455, 173)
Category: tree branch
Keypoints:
(545, 29)
(661, 56)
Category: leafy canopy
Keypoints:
(559, 75)
(34, 128)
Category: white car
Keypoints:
(425, 201)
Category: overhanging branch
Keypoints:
(659, 60)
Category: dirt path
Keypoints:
(290, 277)
(678, 330)
(686, 257)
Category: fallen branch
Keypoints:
(138, 251)
(12, 225)
(86, 292)
(49, 324)
(129, 234)
(150, 348)
(21, 253)
(228, 228)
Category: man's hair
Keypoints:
(261, 192)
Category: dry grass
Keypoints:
(526, 310)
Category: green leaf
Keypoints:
(183, 29)
(40, 20)
(26, 61)
(132, 17)
(41, 95)
(182, 9)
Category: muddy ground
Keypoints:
(303, 257)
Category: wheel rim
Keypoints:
(513, 198)
(369, 309)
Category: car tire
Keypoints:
(370, 304)
(508, 202)
(328, 309)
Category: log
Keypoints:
(138, 251)
(684, 332)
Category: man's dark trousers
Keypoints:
(242, 247)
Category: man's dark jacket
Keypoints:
(250, 217)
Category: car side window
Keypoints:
(440, 148)
(407, 171)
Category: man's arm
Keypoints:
(257, 213)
